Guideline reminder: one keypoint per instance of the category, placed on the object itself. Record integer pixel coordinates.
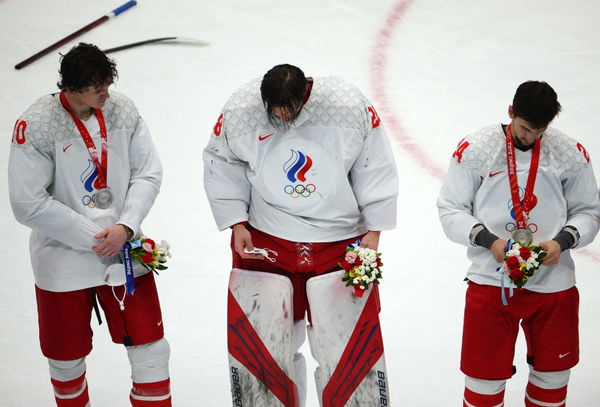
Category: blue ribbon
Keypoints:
(126, 259)
(509, 245)
(354, 245)
(510, 287)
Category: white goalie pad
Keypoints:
(260, 323)
(345, 339)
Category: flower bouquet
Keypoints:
(521, 261)
(362, 267)
(150, 255)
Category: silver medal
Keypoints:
(104, 198)
(522, 235)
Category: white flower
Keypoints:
(164, 248)
(532, 262)
(514, 251)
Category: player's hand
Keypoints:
(370, 240)
(242, 239)
(498, 250)
(113, 239)
(552, 248)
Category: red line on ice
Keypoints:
(379, 60)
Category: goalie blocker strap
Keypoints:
(259, 337)
(346, 340)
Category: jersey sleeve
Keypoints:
(374, 177)
(31, 173)
(455, 202)
(583, 207)
(145, 177)
(225, 181)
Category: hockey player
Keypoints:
(299, 168)
(551, 199)
(83, 174)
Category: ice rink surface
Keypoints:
(436, 70)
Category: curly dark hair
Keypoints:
(283, 86)
(85, 65)
(536, 102)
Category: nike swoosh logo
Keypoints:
(159, 324)
(562, 355)
(493, 174)
(65, 148)
(261, 138)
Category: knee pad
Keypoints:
(66, 370)
(486, 387)
(149, 362)
(346, 341)
(261, 340)
(549, 380)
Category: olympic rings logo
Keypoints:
(89, 201)
(511, 227)
(300, 190)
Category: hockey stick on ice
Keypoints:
(76, 34)
(139, 43)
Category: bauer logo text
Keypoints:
(383, 392)
(236, 388)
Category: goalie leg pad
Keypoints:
(298, 338)
(260, 339)
(346, 341)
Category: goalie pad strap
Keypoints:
(363, 350)
(246, 347)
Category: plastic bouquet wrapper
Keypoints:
(362, 267)
(149, 254)
(144, 251)
(521, 261)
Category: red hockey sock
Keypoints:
(155, 394)
(538, 397)
(473, 399)
(73, 393)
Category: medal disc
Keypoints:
(104, 198)
(522, 235)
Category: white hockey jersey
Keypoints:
(328, 176)
(51, 183)
(476, 190)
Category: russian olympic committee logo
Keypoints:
(512, 226)
(295, 169)
(88, 178)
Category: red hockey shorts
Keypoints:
(64, 318)
(549, 320)
(298, 261)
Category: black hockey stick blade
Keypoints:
(154, 40)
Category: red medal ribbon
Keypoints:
(521, 208)
(89, 143)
